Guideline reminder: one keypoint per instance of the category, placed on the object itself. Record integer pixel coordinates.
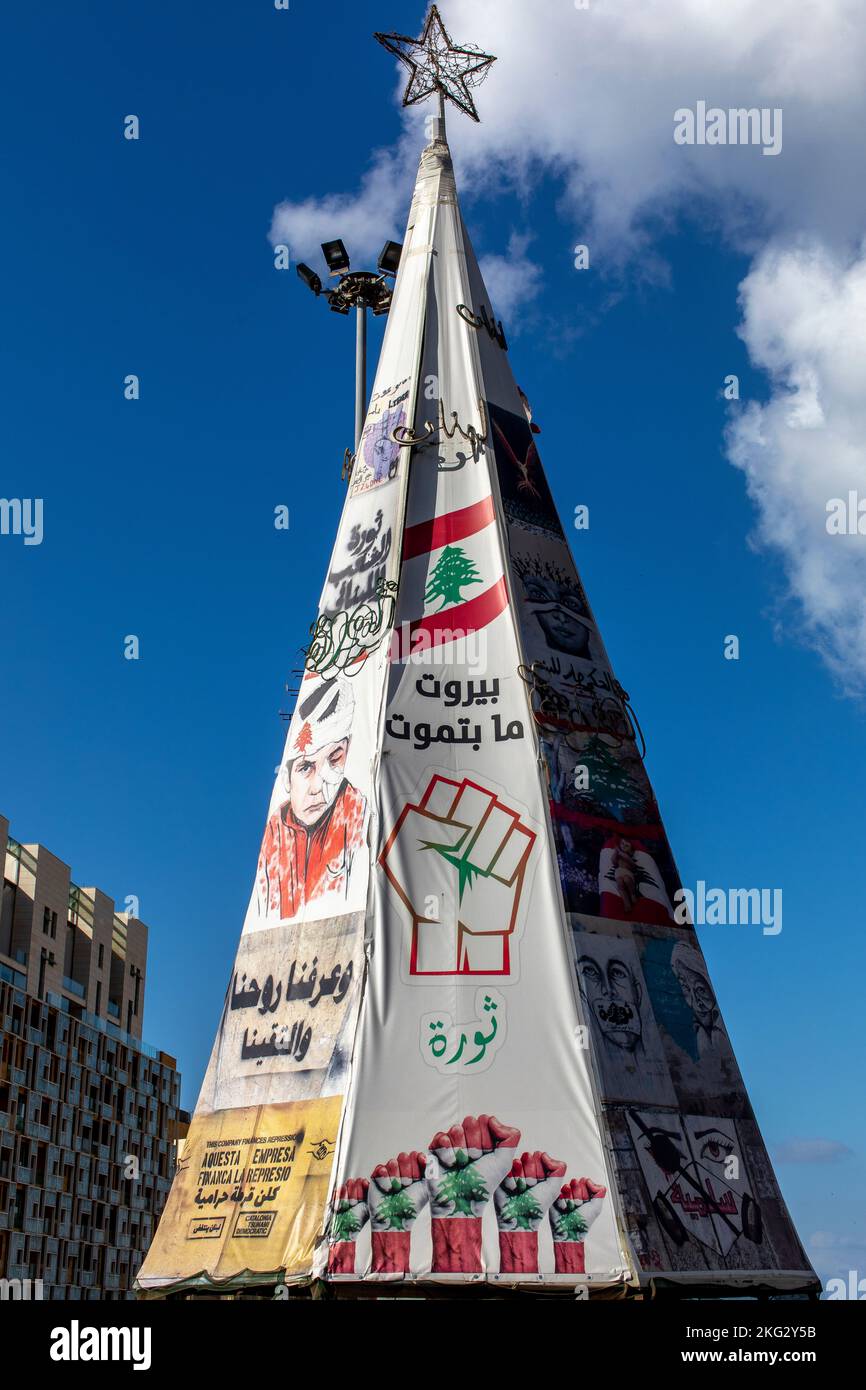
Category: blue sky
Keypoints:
(152, 777)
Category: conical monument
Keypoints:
(468, 1035)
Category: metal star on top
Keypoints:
(438, 65)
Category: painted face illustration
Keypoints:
(698, 994)
(614, 996)
(559, 609)
(564, 632)
(315, 780)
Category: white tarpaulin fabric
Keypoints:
(465, 1038)
(470, 1126)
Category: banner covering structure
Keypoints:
(465, 1038)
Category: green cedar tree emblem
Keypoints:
(452, 572)
(346, 1223)
(522, 1208)
(396, 1209)
(609, 781)
(570, 1225)
(462, 1185)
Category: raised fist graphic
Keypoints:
(572, 1214)
(522, 1198)
(396, 1195)
(349, 1214)
(464, 1168)
(458, 862)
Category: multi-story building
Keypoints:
(89, 1113)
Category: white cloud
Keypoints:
(831, 1240)
(804, 322)
(592, 94)
(365, 219)
(513, 279)
(588, 97)
(812, 1151)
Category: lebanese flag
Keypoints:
(653, 904)
(452, 578)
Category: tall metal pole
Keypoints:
(360, 371)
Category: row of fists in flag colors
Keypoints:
(464, 1166)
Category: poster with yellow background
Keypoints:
(249, 1196)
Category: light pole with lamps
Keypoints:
(359, 290)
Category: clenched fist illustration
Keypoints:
(571, 1216)
(464, 1168)
(522, 1198)
(396, 1195)
(458, 862)
(349, 1215)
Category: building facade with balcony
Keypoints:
(89, 1114)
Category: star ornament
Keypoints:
(436, 64)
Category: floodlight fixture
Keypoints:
(310, 278)
(361, 290)
(389, 257)
(336, 257)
